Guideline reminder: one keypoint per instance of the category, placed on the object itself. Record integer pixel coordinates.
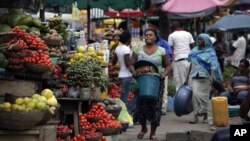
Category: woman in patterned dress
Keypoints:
(151, 110)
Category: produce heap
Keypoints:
(44, 101)
(85, 73)
(29, 49)
(15, 17)
(56, 23)
(105, 120)
(54, 34)
(55, 43)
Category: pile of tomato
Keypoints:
(27, 40)
(105, 119)
(38, 57)
(114, 91)
(27, 48)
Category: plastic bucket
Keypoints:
(149, 85)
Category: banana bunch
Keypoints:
(57, 23)
(44, 28)
(56, 20)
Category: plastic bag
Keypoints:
(124, 116)
(75, 12)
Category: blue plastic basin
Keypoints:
(149, 85)
(183, 101)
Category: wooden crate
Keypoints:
(39, 133)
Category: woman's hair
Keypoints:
(125, 37)
(154, 31)
(245, 62)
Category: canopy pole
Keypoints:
(42, 12)
(88, 20)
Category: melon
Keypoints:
(24, 27)
(13, 19)
(27, 20)
(4, 28)
(36, 22)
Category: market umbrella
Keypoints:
(231, 22)
(241, 5)
(126, 13)
(177, 9)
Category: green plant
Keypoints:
(171, 88)
(228, 71)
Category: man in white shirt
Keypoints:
(181, 42)
(122, 55)
(239, 47)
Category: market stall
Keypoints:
(42, 76)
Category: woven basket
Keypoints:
(109, 131)
(16, 69)
(48, 116)
(63, 135)
(36, 68)
(96, 138)
(11, 54)
(93, 120)
(20, 120)
(50, 42)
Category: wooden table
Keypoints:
(38, 133)
(74, 106)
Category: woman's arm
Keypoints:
(211, 76)
(187, 77)
(132, 62)
(167, 66)
(114, 59)
(127, 60)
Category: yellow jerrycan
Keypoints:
(220, 111)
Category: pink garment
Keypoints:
(191, 6)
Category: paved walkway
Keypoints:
(175, 128)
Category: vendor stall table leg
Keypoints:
(73, 107)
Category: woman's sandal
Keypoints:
(195, 120)
(141, 134)
(204, 121)
(153, 137)
(205, 118)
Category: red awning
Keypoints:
(126, 13)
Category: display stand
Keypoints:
(38, 133)
(71, 106)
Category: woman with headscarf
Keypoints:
(151, 109)
(205, 69)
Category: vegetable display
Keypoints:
(86, 73)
